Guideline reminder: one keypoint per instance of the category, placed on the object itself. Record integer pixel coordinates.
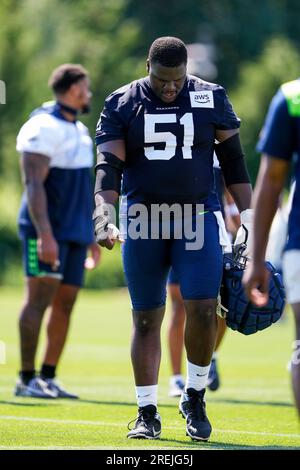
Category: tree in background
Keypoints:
(238, 29)
(257, 82)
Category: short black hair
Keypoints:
(168, 51)
(65, 75)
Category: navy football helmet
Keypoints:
(239, 313)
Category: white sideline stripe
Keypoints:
(102, 423)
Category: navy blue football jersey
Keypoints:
(280, 138)
(169, 147)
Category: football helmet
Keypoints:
(240, 314)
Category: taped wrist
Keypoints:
(104, 214)
(232, 161)
(109, 169)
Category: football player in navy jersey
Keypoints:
(54, 224)
(157, 134)
(279, 143)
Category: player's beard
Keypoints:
(85, 109)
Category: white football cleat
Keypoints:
(36, 388)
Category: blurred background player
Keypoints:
(177, 317)
(279, 142)
(55, 224)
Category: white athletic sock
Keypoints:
(174, 378)
(196, 376)
(146, 395)
(215, 355)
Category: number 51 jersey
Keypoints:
(169, 147)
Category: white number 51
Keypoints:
(168, 138)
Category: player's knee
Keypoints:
(64, 307)
(36, 305)
(204, 311)
(145, 324)
(30, 318)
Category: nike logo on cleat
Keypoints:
(155, 433)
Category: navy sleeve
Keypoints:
(110, 125)
(277, 136)
(226, 118)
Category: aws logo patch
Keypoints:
(202, 99)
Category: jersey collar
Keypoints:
(59, 107)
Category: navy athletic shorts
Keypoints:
(71, 256)
(147, 263)
(172, 278)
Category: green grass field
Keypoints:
(252, 410)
